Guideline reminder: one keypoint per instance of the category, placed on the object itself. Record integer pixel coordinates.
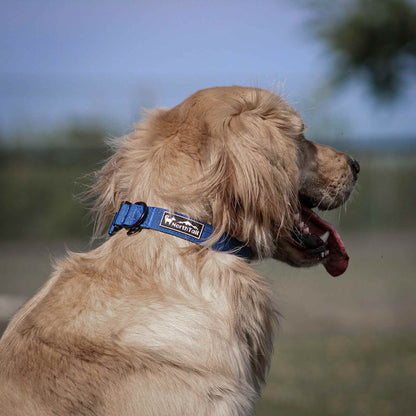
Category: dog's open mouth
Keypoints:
(320, 239)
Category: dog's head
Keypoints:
(237, 158)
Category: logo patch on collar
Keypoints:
(182, 225)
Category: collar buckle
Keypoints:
(137, 226)
(123, 213)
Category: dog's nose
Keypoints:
(355, 167)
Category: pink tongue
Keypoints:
(337, 260)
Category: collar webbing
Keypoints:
(136, 216)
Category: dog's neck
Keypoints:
(151, 257)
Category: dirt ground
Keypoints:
(346, 345)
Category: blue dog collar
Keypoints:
(136, 216)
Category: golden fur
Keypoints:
(150, 324)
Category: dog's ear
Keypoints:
(251, 178)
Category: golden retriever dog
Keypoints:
(152, 323)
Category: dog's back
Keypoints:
(104, 337)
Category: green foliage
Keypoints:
(39, 185)
(374, 38)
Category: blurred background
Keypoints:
(75, 73)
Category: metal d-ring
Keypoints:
(136, 227)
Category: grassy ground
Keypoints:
(347, 346)
(342, 374)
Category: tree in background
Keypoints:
(371, 38)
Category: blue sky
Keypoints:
(65, 60)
